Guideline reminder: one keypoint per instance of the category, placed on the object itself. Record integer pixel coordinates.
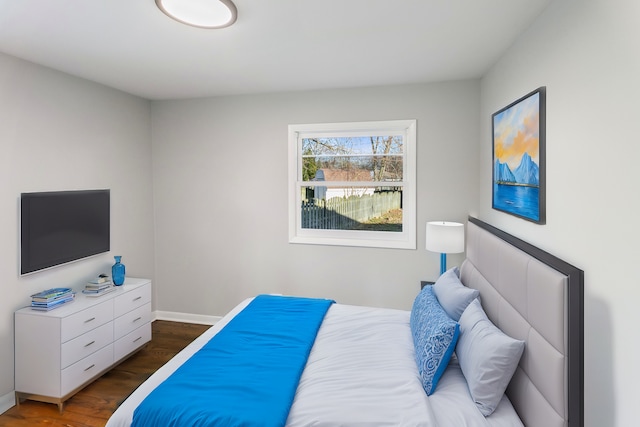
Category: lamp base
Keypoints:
(443, 263)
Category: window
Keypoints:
(353, 184)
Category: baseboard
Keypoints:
(7, 402)
(185, 317)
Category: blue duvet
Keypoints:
(246, 375)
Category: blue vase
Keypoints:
(118, 271)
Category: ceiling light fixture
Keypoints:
(209, 14)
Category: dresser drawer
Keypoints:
(132, 320)
(132, 299)
(86, 320)
(82, 346)
(85, 369)
(132, 341)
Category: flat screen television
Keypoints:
(58, 227)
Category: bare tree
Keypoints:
(383, 160)
(386, 167)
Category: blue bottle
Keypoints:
(118, 271)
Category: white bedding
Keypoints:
(361, 372)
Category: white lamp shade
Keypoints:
(445, 237)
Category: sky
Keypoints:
(516, 131)
(351, 145)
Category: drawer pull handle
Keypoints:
(137, 339)
(88, 344)
(90, 320)
(90, 367)
(135, 320)
(137, 298)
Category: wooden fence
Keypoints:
(341, 213)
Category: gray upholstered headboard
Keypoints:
(533, 296)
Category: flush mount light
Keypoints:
(200, 13)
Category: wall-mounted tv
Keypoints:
(57, 227)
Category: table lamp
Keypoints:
(445, 237)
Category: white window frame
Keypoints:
(406, 239)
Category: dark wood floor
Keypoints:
(93, 405)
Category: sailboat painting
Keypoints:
(519, 157)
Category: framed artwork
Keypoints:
(519, 157)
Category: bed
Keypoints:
(360, 364)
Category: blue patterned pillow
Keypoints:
(435, 335)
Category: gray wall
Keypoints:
(215, 162)
(587, 54)
(58, 132)
(220, 191)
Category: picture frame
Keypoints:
(518, 146)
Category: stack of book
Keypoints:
(52, 298)
(98, 286)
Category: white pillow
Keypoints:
(452, 295)
(488, 358)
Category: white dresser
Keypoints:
(60, 351)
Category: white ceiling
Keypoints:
(276, 45)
